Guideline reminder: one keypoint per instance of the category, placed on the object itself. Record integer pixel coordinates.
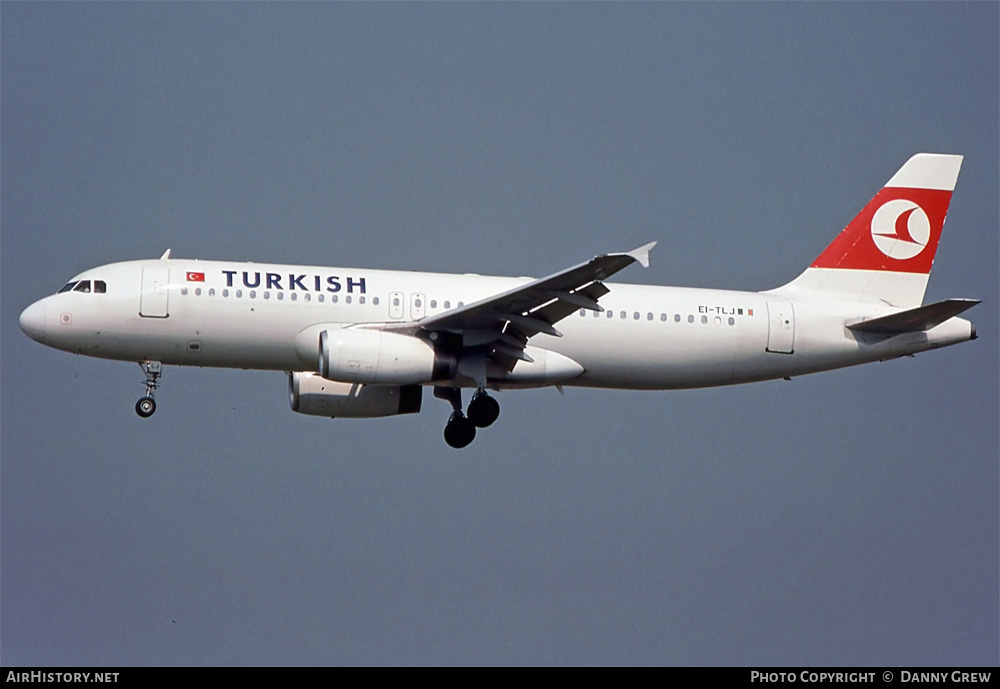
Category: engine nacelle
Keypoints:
(308, 393)
(374, 357)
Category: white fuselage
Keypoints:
(265, 316)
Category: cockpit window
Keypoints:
(96, 286)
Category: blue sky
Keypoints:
(847, 518)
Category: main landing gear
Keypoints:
(461, 428)
(147, 405)
(483, 409)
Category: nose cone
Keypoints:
(33, 320)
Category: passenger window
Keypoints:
(239, 293)
(611, 314)
(704, 319)
(295, 296)
(82, 286)
(308, 297)
(184, 290)
(211, 291)
(677, 318)
(347, 300)
(732, 321)
(649, 316)
(225, 292)
(267, 295)
(321, 297)
(361, 300)
(690, 319)
(663, 317)
(100, 287)
(623, 315)
(583, 312)
(447, 304)
(434, 303)
(375, 301)
(635, 315)
(281, 296)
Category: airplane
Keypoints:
(361, 343)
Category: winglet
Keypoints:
(642, 254)
(166, 255)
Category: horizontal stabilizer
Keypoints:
(916, 320)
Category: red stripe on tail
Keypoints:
(897, 231)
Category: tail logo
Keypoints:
(900, 229)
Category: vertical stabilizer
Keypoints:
(886, 253)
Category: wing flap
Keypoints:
(916, 320)
(555, 311)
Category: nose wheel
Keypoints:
(147, 405)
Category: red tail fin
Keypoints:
(885, 254)
(900, 228)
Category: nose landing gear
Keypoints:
(147, 405)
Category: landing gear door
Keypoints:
(153, 300)
(780, 327)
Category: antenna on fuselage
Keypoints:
(166, 255)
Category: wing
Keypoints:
(502, 324)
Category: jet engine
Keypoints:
(374, 357)
(308, 393)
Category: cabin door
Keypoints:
(780, 327)
(153, 300)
